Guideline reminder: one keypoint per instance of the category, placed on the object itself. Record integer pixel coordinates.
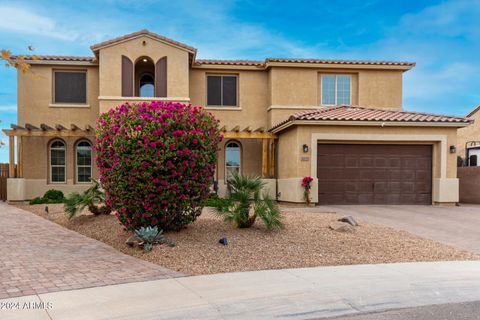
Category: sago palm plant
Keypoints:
(93, 198)
(246, 201)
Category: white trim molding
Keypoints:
(114, 98)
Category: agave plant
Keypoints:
(246, 201)
(93, 198)
(147, 237)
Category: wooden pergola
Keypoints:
(29, 130)
(18, 132)
(268, 145)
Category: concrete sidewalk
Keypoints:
(308, 293)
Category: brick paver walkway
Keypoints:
(38, 256)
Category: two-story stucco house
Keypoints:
(339, 121)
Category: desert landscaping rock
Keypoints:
(306, 241)
(350, 220)
(341, 227)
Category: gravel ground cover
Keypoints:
(306, 241)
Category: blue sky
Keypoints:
(441, 36)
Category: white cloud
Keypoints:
(26, 21)
(8, 108)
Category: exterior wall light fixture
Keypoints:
(305, 148)
(453, 149)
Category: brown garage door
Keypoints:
(374, 174)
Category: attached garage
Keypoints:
(374, 174)
(357, 155)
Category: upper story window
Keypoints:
(144, 77)
(222, 90)
(146, 87)
(70, 87)
(336, 89)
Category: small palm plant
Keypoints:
(246, 200)
(93, 198)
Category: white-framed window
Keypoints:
(232, 158)
(57, 161)
(336, 89)
(83, 157)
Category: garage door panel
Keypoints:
(408, 187)
(332, 161)
(366, 162)
(408, 174)
(374, 174)
(365, 198)
(394, 174)
(380, 187)
(381, 162)
(351, 162)
(394, 162)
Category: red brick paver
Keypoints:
(38, 256)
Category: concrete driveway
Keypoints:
(456, 226)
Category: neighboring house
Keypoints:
(469, 140)
(283, 119)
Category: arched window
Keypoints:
(83, 154)
(146, 86)
(57, 161)
(232, 159)
(144, 77)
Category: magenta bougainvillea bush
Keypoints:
(307, 185)
(157, 162)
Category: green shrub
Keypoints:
(51, 196)
(93, 198)
(214, 200)
(55, 196)
(37, 200)
(246, 201)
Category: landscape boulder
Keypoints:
(342, 227)
(350, 220)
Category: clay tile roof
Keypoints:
(329, 61)
(229, 62)
(56, 58)
(356, 113)
(97, 46)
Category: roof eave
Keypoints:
(269, 64)
(96, 48)
(290, 123)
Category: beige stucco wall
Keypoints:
(35, 98)
(110, 66)
(470, 133)
(252, 98)
(35, 157)
(293, 164)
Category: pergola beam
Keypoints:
(29, 126)
(16, 127)
(45, 127)
(249, 135)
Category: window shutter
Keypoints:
(161, 77)
(127, 77)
